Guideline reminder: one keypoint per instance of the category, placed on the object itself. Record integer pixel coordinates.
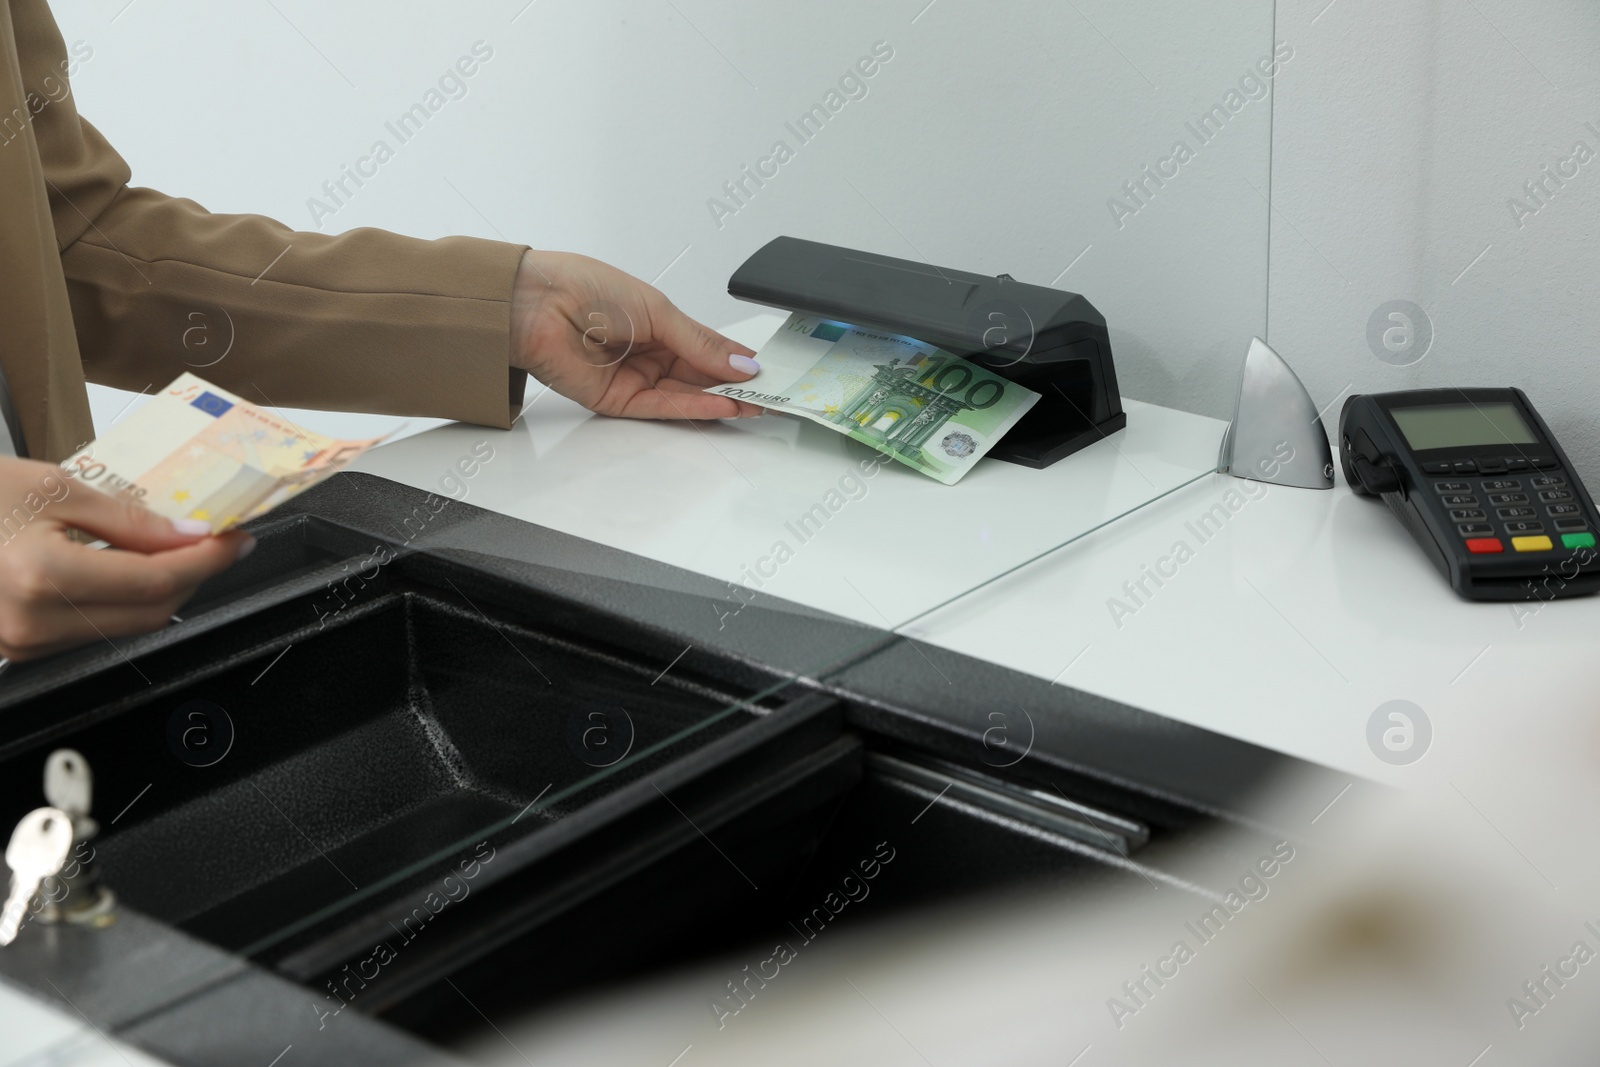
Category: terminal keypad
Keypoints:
(1526, 509)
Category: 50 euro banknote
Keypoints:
(913, 401)
(196, 451)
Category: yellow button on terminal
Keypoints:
(1531, 544)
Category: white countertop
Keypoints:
(35, 1032)
(780, 505)
(1288, 628)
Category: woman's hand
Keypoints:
(618, 346)
(56, 593)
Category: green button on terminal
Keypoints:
(1577, 540)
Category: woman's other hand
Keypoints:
(56, 592)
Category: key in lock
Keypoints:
(39, 848)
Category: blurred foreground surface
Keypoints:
(1454, 923)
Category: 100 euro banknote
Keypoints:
(199, 452)
(913, 401)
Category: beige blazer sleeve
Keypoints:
(363, 321)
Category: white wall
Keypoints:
(992, 141)
(1401, 132)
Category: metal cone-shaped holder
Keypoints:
(1276, 434)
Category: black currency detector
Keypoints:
(1045, 339)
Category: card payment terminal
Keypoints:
(1478, 479)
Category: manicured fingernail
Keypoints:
(191, 527)
(247, 547)
(743, 364)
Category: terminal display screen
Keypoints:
(1461, 425)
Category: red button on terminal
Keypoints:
(1478, 545)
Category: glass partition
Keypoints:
(419, 729)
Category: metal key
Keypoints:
(39, 848)
(68, 784)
